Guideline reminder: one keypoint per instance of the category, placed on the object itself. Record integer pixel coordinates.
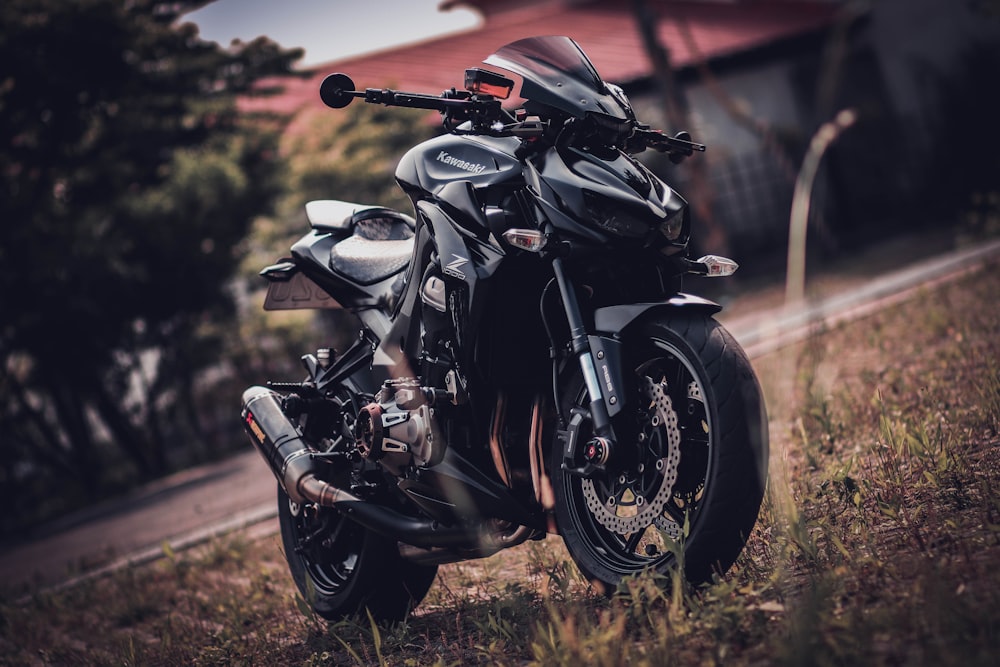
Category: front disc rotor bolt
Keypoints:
(655, 421)
(621, 480)
(659, 464)
(640, 501)
(611, 501)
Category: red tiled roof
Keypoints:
(605, 30)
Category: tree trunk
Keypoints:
(714, 238)
(128, 438)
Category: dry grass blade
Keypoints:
(879, 543)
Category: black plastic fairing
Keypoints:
(606, 191)
(488, 163)
(312, 254)
(472, 495)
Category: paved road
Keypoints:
(195, 505)
(182, 510)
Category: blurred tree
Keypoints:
(128, 178)
(353, 154)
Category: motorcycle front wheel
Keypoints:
(687, 475)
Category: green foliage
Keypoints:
(352, 154)
(128, 180)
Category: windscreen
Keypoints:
(557, 73)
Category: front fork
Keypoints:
(600, 359)
(603, 387)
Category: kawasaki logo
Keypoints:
(471, 167)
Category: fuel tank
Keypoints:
(487, 162)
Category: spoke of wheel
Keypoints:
(633, 541)
(696, 427)
(678, 390)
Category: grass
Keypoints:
(878, 543)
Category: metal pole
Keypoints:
(795, 277)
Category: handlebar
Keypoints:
(487, 115)
(337, 91)
(679, 145)
(470, 108)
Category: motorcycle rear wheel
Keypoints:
(350, 569)
(340, 567)
(689, 469)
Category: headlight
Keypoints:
(614, 218)
(673, 225)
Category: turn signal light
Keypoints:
(531, 240)
(718, 266)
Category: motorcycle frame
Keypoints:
(453, 237)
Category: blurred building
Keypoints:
(754, 80)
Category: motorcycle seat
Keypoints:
(379, 244)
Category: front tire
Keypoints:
(689, 468)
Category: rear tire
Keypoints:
(351, 569)
(691, 456)
(342, 568)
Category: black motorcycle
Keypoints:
(527, 362)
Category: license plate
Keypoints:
(296, 294)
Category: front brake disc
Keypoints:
(627, 509)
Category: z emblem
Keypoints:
(454, 267)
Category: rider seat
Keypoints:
(379, 243)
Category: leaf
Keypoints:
(888, 509)
(376, 637)
(840, 546)
(304, 608)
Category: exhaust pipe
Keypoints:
(288, 455)
(291, 460)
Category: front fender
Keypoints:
(606, 344)
(612, 320)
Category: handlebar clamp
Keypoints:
(378, 96)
